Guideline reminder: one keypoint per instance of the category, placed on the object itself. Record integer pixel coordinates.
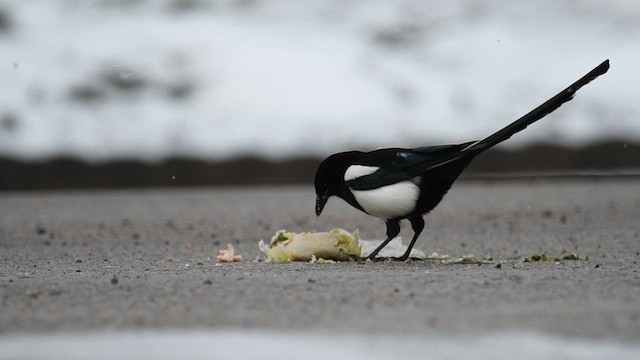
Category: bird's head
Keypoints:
(330, 177)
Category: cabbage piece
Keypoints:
(337, 245)
(315, 260)
(278, 255)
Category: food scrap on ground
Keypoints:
(315, 260)
(545, 257)
(342, 245)
(335, 245)
(466, 259)
(228, 255)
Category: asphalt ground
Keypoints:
(145, 259)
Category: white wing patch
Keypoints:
(356, 171)
(387, 202)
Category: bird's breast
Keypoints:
(387, 202)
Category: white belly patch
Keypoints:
(387, 202)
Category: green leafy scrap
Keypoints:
(281, 236)
(466, 259)
(278, 255)
(546, 258)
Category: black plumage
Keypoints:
(397, 183)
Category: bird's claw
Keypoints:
(389, 258)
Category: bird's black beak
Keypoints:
(321, 201)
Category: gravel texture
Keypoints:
(145, 259)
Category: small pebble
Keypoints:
(40, 230)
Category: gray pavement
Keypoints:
(145, 259)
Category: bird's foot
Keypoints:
(363, 259)
(391, 258)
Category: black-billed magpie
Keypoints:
(395, 183)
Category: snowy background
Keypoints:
(213, 79)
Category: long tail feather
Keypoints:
(539, 112)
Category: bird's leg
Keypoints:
(393, 229)
(417, 224)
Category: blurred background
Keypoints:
(132, 93)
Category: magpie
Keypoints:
(396, 183)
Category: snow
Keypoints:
(263, 344)
(102, 80)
